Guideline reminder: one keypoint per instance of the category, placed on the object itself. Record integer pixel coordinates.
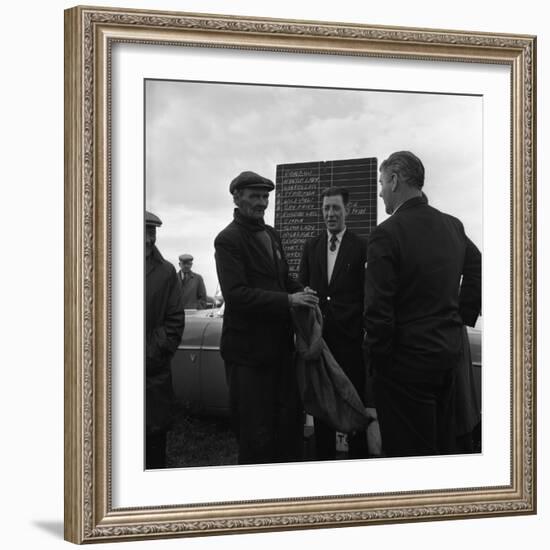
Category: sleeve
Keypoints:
(381, 284)
(236, 289)
(201, 293)
(470, 288)
(292, 285)
(174, 320)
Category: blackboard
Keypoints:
(298, 191)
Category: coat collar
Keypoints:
(191, 274)
(252, 224)
(415, 201)
(339, 235)
(322, 256)
(154, 260)
(343, 251)
(249, 229)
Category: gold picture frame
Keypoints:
(89, 36)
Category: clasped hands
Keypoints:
(305, 298)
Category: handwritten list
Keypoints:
(298, 215)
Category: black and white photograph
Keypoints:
(313, 273)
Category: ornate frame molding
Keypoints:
(89, 34)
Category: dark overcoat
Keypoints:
(257, 341)
(255, 286)
(193, 290)
(164, 323)
(423, 283)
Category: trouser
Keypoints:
(155, 450)
(416, 417)
(266, 412)
(350, 358)
(158, 401)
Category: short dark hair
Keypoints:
(336, 191)
(407, 166)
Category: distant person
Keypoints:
(333, 264)
(415, 309)
(164, 323)
(257, 338)
(192, 284)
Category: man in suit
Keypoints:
(423, 280)
(333, 265)
(192, 284)
(257, 338)
(164, 322)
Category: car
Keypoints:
(198, 371)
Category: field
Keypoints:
(203, 441)
(195, 441)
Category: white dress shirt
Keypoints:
(331, 255)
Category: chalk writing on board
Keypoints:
(298, 198)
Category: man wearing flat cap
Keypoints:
(192, 284)
(257, 338)
(164, 323)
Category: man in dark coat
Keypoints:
(164, 323)
(257, 339)
(415, 307)
(333, 264)
(192, 284)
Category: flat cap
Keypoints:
(152, 220)
(250, 179)
(185, 258)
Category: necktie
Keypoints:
(333, 241)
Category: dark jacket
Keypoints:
(193, 289)
(414, 308)
(341, 301)
(255, 286)
(164, 323)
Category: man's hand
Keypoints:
(306, 298)
(371, 413)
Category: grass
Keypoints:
(195, 441)
(200, 441)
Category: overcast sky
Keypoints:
(199, 136)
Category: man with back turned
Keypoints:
(257, 338)
(423, 282)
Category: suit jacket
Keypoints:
(194, 291)
(255, 285)
(415, 304)
(341, 301)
